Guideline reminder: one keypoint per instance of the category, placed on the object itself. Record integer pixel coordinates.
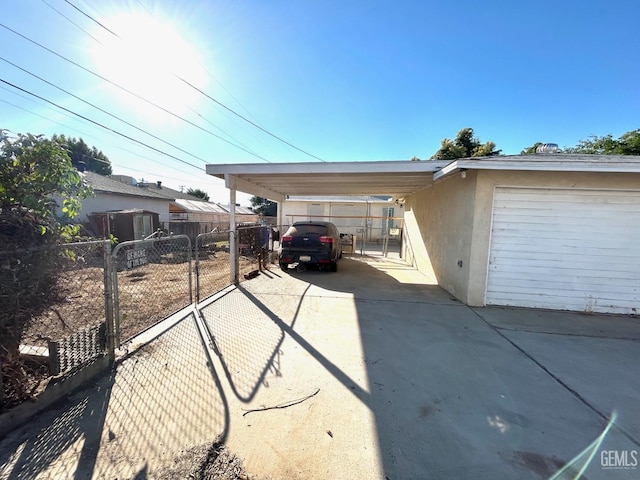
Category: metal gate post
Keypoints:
(233, 238)
(197, 270)
(108, 299)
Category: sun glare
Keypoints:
(145, 58)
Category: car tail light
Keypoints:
(324, 261)
(286, 238)
(326, 239)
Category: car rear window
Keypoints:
(307, 230)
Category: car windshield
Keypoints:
(309, 229)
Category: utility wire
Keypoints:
(69, 20)
(130, 92)
(205, 94)
(86, 135)
(100, 125)
(89, 16)
(103, 110)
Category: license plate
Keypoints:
(305, 258)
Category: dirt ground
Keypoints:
(214, 462)
(147, 294)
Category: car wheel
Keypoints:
(334, 266)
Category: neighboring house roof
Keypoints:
(103, 184)
(239, 210)
(340, 198)
(127, 211)
(167, 192)
(557, 162)
(194, 206)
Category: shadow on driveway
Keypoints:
(447, 396)
(161, 399)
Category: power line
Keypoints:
(69, 20)
(102, 110)
(131, 93)
(99, 124)
(85, 134)
(89, 16)
(205, 94)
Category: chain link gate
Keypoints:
(151, 280)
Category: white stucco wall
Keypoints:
(105, 201)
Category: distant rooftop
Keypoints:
(340, 198)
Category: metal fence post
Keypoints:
(233, 249)
(54, 357)
(190, 276)
(197, 269)
(116, 296)
(108, 299)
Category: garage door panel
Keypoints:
(568, 197)
(571, 229)
(584, 305)
(587, 285)
(575, 218)
(606, 265)
(545, 273)
(565, 249)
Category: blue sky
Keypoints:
(344, 81)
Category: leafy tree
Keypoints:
(265, 207)
(531, 149)
(463, 146)
(627, 144)
(196, 192)
(84, 157)
(33, 172)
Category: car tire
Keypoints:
(334, 266)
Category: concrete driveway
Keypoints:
(372, 373)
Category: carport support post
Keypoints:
(233, 238)
(279, 213)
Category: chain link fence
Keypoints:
(152, 280)
(54, 318)
(364, 235)
(212, 263)
(254, 246)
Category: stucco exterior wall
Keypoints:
(103, 202)
(487, 180)
(438, 231)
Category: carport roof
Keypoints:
(397, 179)
(277, 180)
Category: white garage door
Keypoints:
(565, 249)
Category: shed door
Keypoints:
(316, 212)
(348, 217)
(565, 249)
